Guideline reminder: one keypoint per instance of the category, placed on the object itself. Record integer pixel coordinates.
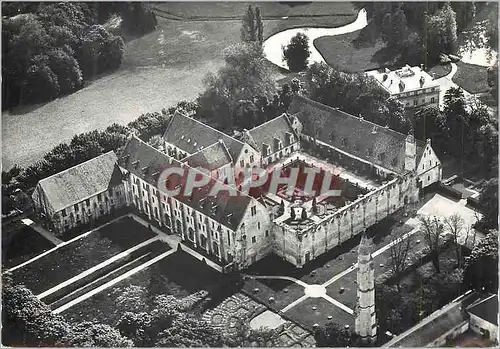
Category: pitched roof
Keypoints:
(191, 136)
(212, 157)
(268, 131)
(228, 211)
(82, 181)
(144, 161)
(335, 127)
(486, 309)
(403, 80)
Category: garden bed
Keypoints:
(179, 274)
(22, 244)
(80, 255)
(106, 274)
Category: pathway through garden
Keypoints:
(319, 291)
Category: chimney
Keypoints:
(422, 81)
(421, 67)
(428, 141)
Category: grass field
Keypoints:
(25, 243)
(472, 78)
(179, 275)
(80, 255)
(158, 70)
(346, 54)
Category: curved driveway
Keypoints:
(272, 46)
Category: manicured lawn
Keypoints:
(438, 71)
(304, 314)
(179, 275)
(106, 274)
(346, 54)
(472, 78)
(284, 292)
(158, 70)
(80, 255)
(22, 244)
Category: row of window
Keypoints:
(415, 101)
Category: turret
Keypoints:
(365, 316)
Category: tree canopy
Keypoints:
(296, 53)
(481, 267)
(356, 94)
(252, 28)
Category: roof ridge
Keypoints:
(199, 122)
(77, 165)
(481, 301)
(268, 121)
(329, 108)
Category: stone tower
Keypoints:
(410, 153)
(365, 317)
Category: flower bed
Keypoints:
(80, 255)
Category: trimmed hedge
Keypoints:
(450, 191)
(474, 203)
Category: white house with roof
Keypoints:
(410, 85)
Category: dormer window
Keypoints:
(332, 137)
(344, 142)
(381, 157)
(289, 138)
(369, 151)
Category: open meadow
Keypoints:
(158, 70)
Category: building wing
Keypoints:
(364, 139)
(272, 131)
(191, 136)
(82, 181)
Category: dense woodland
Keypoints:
(52, 49)
(420, 31)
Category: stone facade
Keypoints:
(241, 230)
(365, 316)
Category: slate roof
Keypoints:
(144, 161)
(332, 126)
(82, 181)
(191, 136)
(268, 131)
(228, 211)
(211, 157)
(430, 328)
(486, 309)
(410, 77)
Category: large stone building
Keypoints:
(377, 170)
(81, 194)
(410, 85)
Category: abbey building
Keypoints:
(376, 169)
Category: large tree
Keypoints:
(252, 28)
(489, 200)
(244, 77)
(399, 250)
(296, 53)
(481, 267)
(356, 94)
(433, 229)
